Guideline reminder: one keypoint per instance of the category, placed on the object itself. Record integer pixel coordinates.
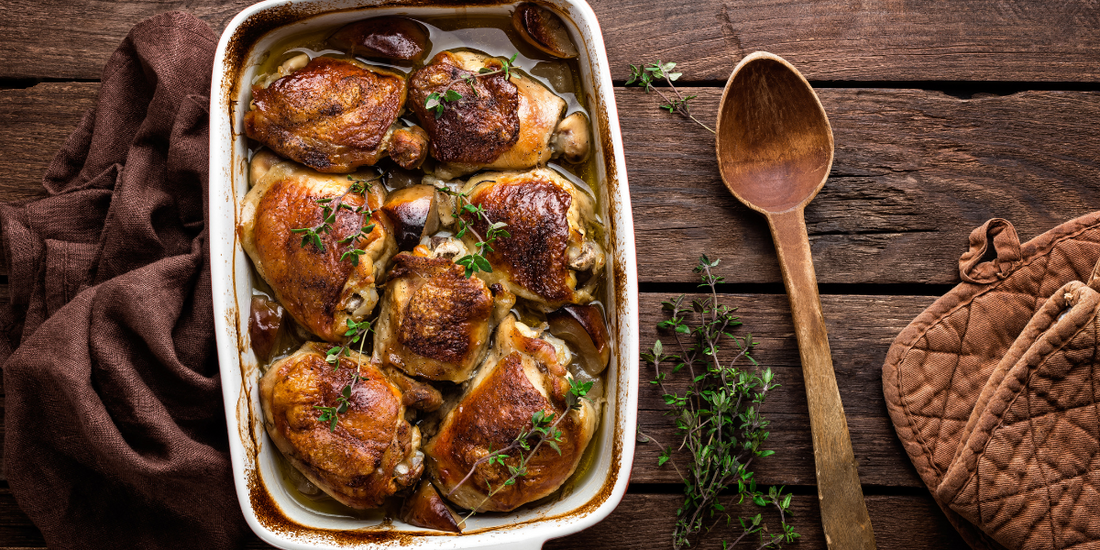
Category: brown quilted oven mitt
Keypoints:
(1028, 471)
(937, 368)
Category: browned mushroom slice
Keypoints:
(570, 139)
(413, 213)
(265, 321)
(425, 508)
(544, 30)
(409, 147)
(393, 38)
(583, 327)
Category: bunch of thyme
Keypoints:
(543, 430)
(475, 261)
(718, 417)
(330, 206)
(645, 75)
(437, 101)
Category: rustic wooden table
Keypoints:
(945, 114)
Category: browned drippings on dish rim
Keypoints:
(267, 511)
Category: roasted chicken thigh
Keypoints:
(434, 322)
(334, 115)
(368, 452)
(551, 256)
(321, 287)
(497, 122)
(523, 375)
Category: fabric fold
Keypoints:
(115, 428)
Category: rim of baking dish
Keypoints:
(269, 510)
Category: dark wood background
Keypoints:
(945, 113)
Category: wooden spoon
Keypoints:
(775, 149)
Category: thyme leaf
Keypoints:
(357, 332)
(463, 209)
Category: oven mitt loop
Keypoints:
(981, 264)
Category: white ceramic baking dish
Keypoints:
(270, 510)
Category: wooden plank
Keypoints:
(915, 172)
(846, 40)
(41, 36)
(34, 123)
(861, 329)
(839, 40)
(646, 521)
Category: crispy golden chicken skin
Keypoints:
(433, 322)
(477, 128)
(499, 123)
(524, 374)
(371, 451)
(332, 115)
(319, 290)
(551, 256)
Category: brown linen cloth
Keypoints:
(947, 394)
(115, 433)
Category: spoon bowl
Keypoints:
(775, 145)
(775, 150)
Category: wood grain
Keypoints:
(41, 35)
(834, 40)
(34, 123)
(846, 40)
(915, 172)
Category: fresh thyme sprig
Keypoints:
(332, 414)
(717, 417)
(645, 75)
(544, 429)
(329, 208)
(357, 333)
(476, 261)
(437, 101)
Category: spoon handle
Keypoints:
(843, 511)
